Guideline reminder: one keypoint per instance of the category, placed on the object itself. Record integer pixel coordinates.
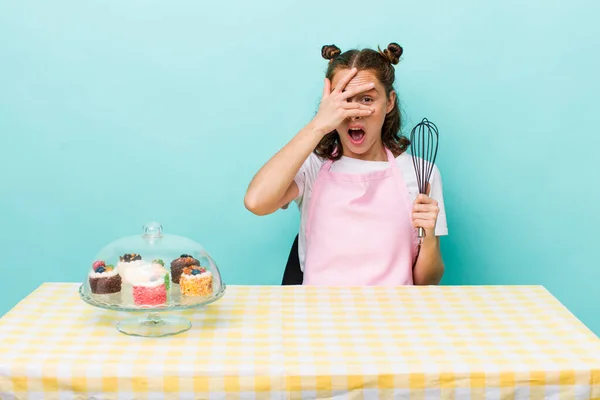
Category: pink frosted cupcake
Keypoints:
(150, 284)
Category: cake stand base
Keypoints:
(154, 326)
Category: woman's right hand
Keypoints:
(335, 107)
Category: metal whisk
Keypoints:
(424, 146)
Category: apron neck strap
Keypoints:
(390, 158)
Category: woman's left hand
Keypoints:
(425, 213)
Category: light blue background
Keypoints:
(116, 113)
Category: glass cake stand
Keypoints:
(152, 273)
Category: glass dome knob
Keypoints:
(153, 230)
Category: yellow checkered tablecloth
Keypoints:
(441, 342)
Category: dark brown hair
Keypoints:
(380, 63)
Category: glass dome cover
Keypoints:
(152, 271)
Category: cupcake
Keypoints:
(196, 281)
(150, 284)
(177, 266)
(104, 279)
(126, 262)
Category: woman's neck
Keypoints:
(375, 153)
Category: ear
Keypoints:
(391, 101)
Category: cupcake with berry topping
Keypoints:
(126, 262)
(177, 266)
(104, 279)
(196, 281)
(150, 284)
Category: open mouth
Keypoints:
(357, 135)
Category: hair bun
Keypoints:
(393, 53)
(330, 51)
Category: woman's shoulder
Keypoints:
(310, 169)
(313, 163)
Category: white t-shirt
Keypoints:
(306, 177)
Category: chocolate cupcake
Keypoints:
(177, 266)
(104, 279)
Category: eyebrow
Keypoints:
(365, 92)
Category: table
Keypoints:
(306, 342)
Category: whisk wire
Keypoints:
(424, 142)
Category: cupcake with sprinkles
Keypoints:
(126, 263)
(104, 279)
(177, 266)
(196, 281)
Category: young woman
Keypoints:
(354, 184)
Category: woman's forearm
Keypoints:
(272, 185)
(429, 268)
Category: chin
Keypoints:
(357, 148)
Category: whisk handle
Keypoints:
(421, 233)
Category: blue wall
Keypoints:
(116, 113)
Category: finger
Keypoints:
(358, 89)
(426, 208)
(424, 199)
(327, 87)
(344, 81)
(422, 223)
(428, 191)
(428, 216)
(355, 106)
(357, 113)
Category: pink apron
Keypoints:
(359, 230)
